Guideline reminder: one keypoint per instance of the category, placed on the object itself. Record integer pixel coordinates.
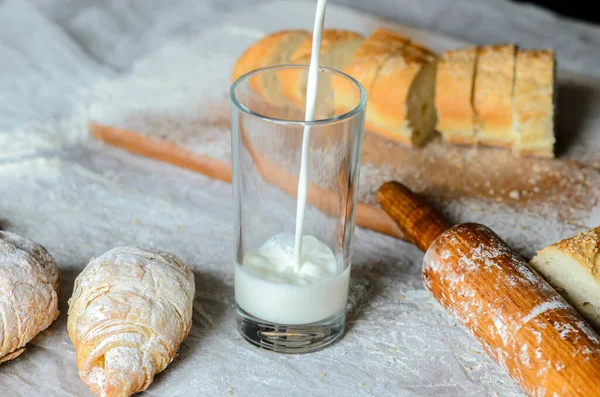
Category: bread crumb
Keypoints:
(361, 384)
(514, 194)
(230, 391)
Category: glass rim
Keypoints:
(351, 113)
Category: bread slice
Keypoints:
(273, 49)
(402, 106)
(337, 49)
(454, 96)
(494, 78)
(572, 267)
(364, 65)
(533, 103)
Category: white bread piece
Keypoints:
(572, 267)
(533, 103)
(368, 58)
(402, 106)
(29, 286)
(337, 49)
(273, 49)
(454, 96)
(131, 308)
(492, 98)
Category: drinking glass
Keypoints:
(274, 310)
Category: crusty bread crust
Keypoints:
(272, 49)
(584, 247)
(401, 86)
(492, 99)
(367, 60)
(260, 53)
(294, 80)
(533, 102)
(389, 109)
(572, 267)
(454, 95)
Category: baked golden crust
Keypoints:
(583, 247)
(260, 53)
(572, 267)
(131, 308)
(389, 110)
(367, 60)
(454, 95)
(533, 102)
(273, 49)
(334, 43)
(402, 96)
(29, 286)
(492, 98)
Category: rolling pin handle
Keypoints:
(417, 219)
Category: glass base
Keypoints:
(304, 338)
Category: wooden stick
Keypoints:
(366, 216)
(420, 223)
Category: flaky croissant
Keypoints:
(29, 283)
(131, 308)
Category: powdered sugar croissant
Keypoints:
(131, 308)
(29, 282)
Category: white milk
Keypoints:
(269, 287)
(293, 279)
(311, 99)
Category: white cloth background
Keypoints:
(81, 199)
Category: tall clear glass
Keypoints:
(281, 307)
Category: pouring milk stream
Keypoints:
(292, 279)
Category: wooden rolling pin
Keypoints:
(521, 322)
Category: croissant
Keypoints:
(29, 283)
(131, 308)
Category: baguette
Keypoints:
(364, 65)
(337, 49)
(454, 96)
(492, 95)
(402, 106)
(534, 100)
(572, 267)
(273, 49)
(494, 78)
